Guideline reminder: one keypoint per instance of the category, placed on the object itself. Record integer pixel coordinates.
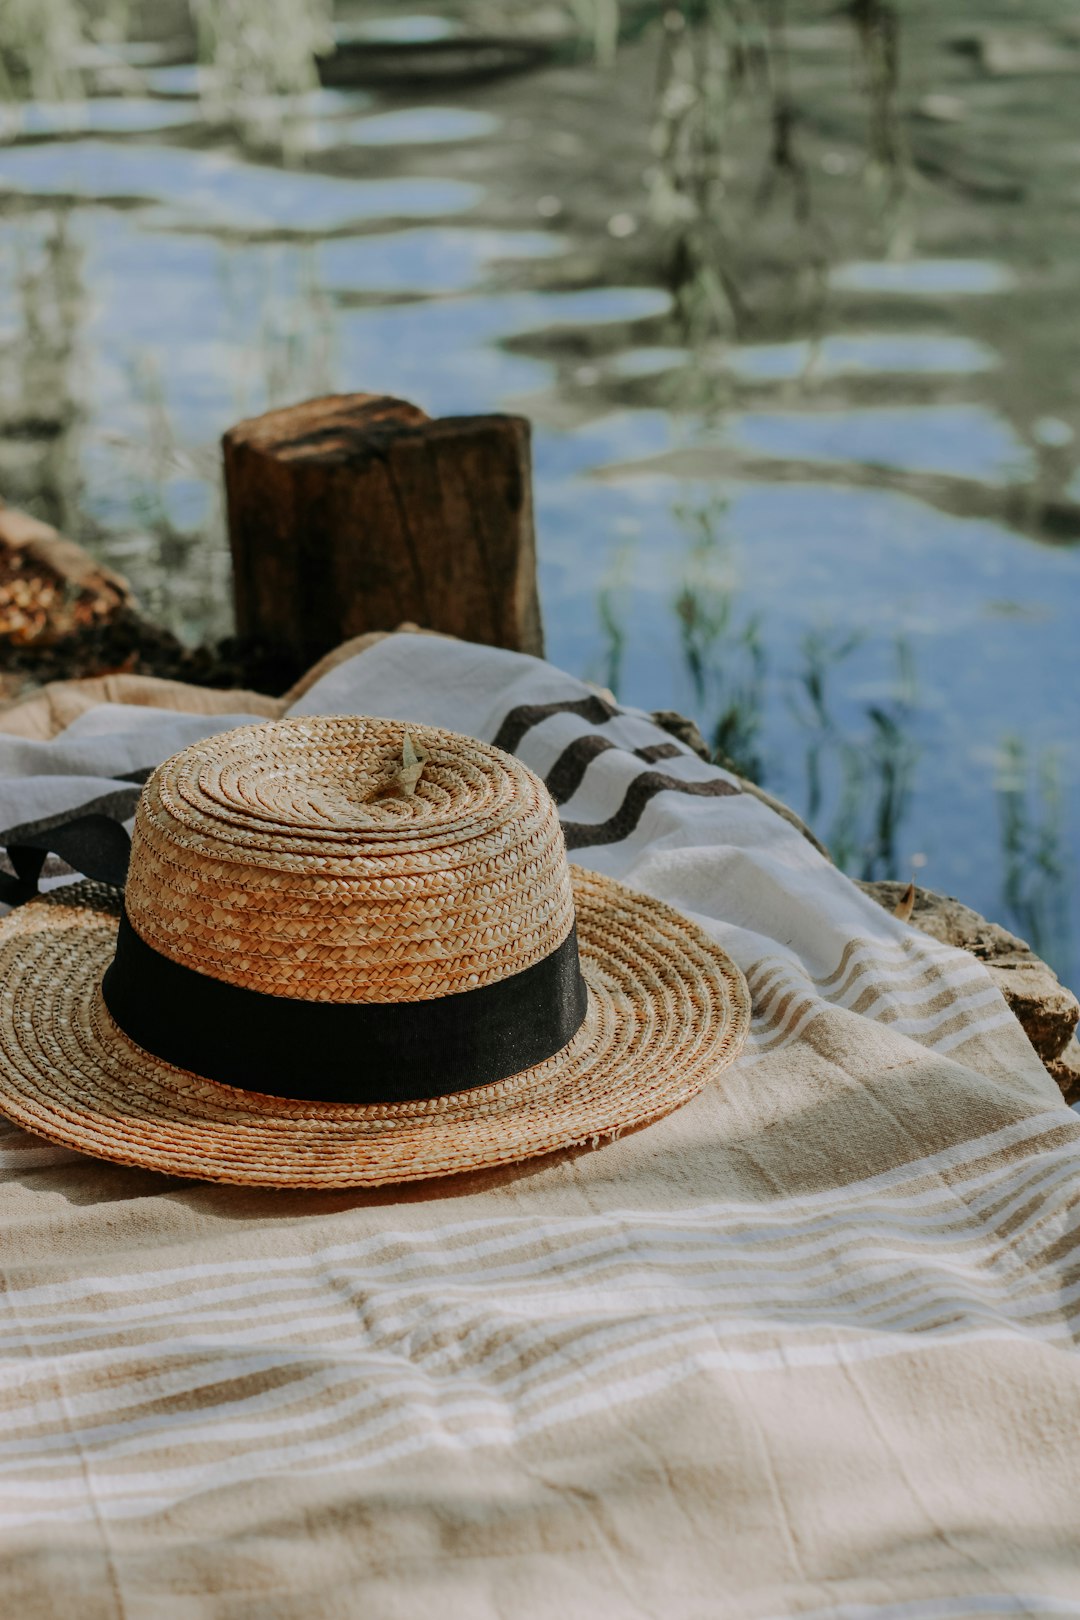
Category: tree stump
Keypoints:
(358, 511)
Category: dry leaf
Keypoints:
(412, 764)
(906, 904)
(404, 777)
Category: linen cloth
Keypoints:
(805, 1347)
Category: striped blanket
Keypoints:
(806, 1347)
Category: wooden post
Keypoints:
(357, 512)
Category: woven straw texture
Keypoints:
(281, 857)
(284, 858)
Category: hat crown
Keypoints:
(290, 857)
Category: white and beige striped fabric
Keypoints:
(806, 1347)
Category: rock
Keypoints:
(1066, 1071)
(683, 730)
(1047, 1011)
(49, 586)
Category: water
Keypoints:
(843, 537)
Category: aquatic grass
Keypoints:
(599, 22)
(260, 59)
(823, 650)
(724, 654)
(737, 728)
(297, 340)
(703, 605)
(1036, 870)
(893, 755)
(291, 353)
(291, 349)
(43, 46)
(187, 583)
(877, 778)
(612, 602)
(859, 776)
(42, 364)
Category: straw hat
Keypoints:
(349, 956)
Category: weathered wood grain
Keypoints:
(357, 511)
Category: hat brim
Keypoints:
(668, 1010)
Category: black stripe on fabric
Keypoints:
(344, 1052)
(140, 777)
(660, 751)
(568, 771)
(580, 834)
(594, 709)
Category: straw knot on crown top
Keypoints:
(273, 858)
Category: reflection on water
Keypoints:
(852, 354)
(932, 277)
(183, 80)
(104, 115)
(205, 190)
(412, 126)
(704, 64)
(415, 30)
(647, 362)
(963, 439)
(438, 259)
(783, 485)
(871, 354)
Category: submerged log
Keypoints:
(357, 511)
